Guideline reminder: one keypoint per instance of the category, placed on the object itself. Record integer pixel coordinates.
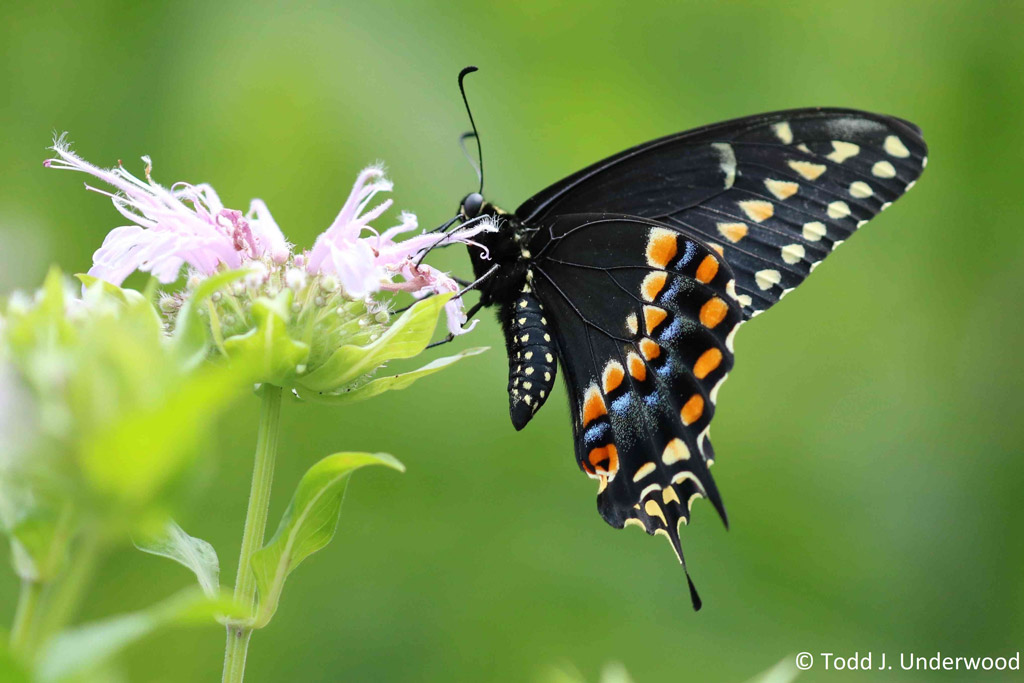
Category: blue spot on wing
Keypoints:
(596, 433)
(689, 249)
(621, 404)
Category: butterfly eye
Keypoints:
(472, 205)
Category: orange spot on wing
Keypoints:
(636, 367)
(661, 247)
(713, 312)
(612, 376)
(605, 460)
(706, 364)
(649, 349)
(654, 316)
(692, 409)
(653, 284)
(593, 405)
(708, 269)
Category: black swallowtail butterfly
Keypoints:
(635, 273)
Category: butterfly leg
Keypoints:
(469, 314)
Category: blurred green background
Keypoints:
(869, 440)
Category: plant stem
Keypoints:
(24, 617)
(63, 597)
(255, 526)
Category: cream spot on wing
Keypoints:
(757, 210)
(813, 231)
(841, 151)
(782, 189)
(631, 323)
(649, 490)
(727, 160)
(675, 451)
(804, 148)
(669, 496)
(713, 394)
(733, 232)
(731, 339)
(894, 147)
(644, 470)
(807, 169)
(744, 299)
(792, 253)
(883, 169)
(838, 209)
(766, 278)
(860, 190)
(783, 132)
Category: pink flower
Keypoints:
(172, 227)
(188, 224)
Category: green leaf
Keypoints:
(308, 524)
(79, 650)
(405, 338)
(390, 383)
(145, 448)
(190, 337)
(109, 289)
(192, 553)
(268, 346)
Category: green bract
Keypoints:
(305, 334)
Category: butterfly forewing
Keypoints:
(773, 193)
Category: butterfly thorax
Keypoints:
(528, 336)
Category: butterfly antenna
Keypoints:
(479, 166)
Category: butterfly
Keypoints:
(635, 273)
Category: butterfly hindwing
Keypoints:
(643, 316)
(774, 193)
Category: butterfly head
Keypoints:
(472, 206)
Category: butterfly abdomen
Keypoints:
(531, 357)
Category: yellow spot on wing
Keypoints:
(692, 409)
(883, 169)
(766, 278)
(706, 364)
(860, 189)
(707, 269)
(895, 147)
(757, 210)
(808, 170)
(838, 209)
(792, 253)
(669, 495)
(661, 247)
(713, 312)
(813, 231)
(675, 451)
(782, 189)
(841, 151)
(653, 284)
(644, 470)
(783, 132)
(652, 508)
(733, 232)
